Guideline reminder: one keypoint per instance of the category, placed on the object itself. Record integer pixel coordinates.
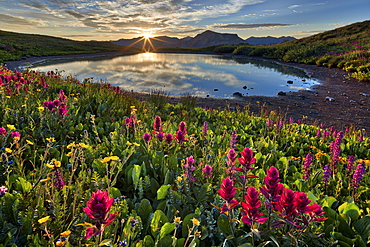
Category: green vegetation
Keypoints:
(85, 164)
(347, 48)
(15, 46)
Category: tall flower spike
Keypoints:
(250, 211)
(247, 159)
(97, 209)
(227, 193)
(307, 166)
(157, 126)
(272, 189)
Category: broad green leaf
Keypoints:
(158, 220)
(136, 175)
(166, 229)
(162, 192)
(224, 224)
(144, 209)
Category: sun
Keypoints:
(148, 35)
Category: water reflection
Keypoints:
(202, 75)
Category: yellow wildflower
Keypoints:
(177, 220)
(41, 108)
(106, 160)
(114, 158)
(43, 220)
(179, 179)
(8, 150)
(71, 145)
(59, 243)
(83, 145)
(50, 139)
(128, 143)
(29, 142)
(44, 180)
(57, 163)
(8, 97)
(23, 105)
(195, 221)
(136, 144)
(69, 154)
(66, 233)
(75, 99)
(10, 126)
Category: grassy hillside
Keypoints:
(347, 48)
(14, 46)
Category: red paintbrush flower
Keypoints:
(272, 189)
(246, 160)
(250, 210)
(97, 209)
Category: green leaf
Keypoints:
(224, 224)
(158, 220)
(136, 175)
(162, 192)
(106, 242)
(115, 192)
(362, 226)
(144, 209)
(166, 229)
(328, 201)
(148, 241)
(350, 209)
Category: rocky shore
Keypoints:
(337, 101)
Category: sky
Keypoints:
(116, 19)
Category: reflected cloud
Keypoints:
(200, 75)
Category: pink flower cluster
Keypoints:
(59, 105)
(292, 207)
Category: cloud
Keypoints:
(294, 6)
(246, 26)
(13, 20)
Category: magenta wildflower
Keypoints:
(189, 168)
(233, 139)
(231, 169)
(205, 128)
(207, 170)
(279, 124)
(272, 189)
(3, 131)
(169, 138)
(270, 123)
(58, 179)
(160, 136)
(246, 160)
(62, 96)
(3, 191)
(358, 175)
(250, 208)
(97, 209)
(307, 166)
(315, 210)
(62, 110)
(286, 205)
(291, 120)
(227, 193)
(327, 174)
(147, 137)
(180, 137)
(335, 150)
(318, 133)
(301, 203)
(15, 134)
(157, 126)
(350, 162)
(182, 128)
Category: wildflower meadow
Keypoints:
(86, 164)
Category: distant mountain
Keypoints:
(268, 40)
(210, 38)
(207, 38)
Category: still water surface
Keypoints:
(179, 74)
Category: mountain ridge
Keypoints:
(205, 39)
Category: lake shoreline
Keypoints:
(350, 107)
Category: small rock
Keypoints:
(245, 87)
(289, 82)
(353, 101)
(216, 89)
(330, 99)
(238, 94)
(281, 93)
(364, 94)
